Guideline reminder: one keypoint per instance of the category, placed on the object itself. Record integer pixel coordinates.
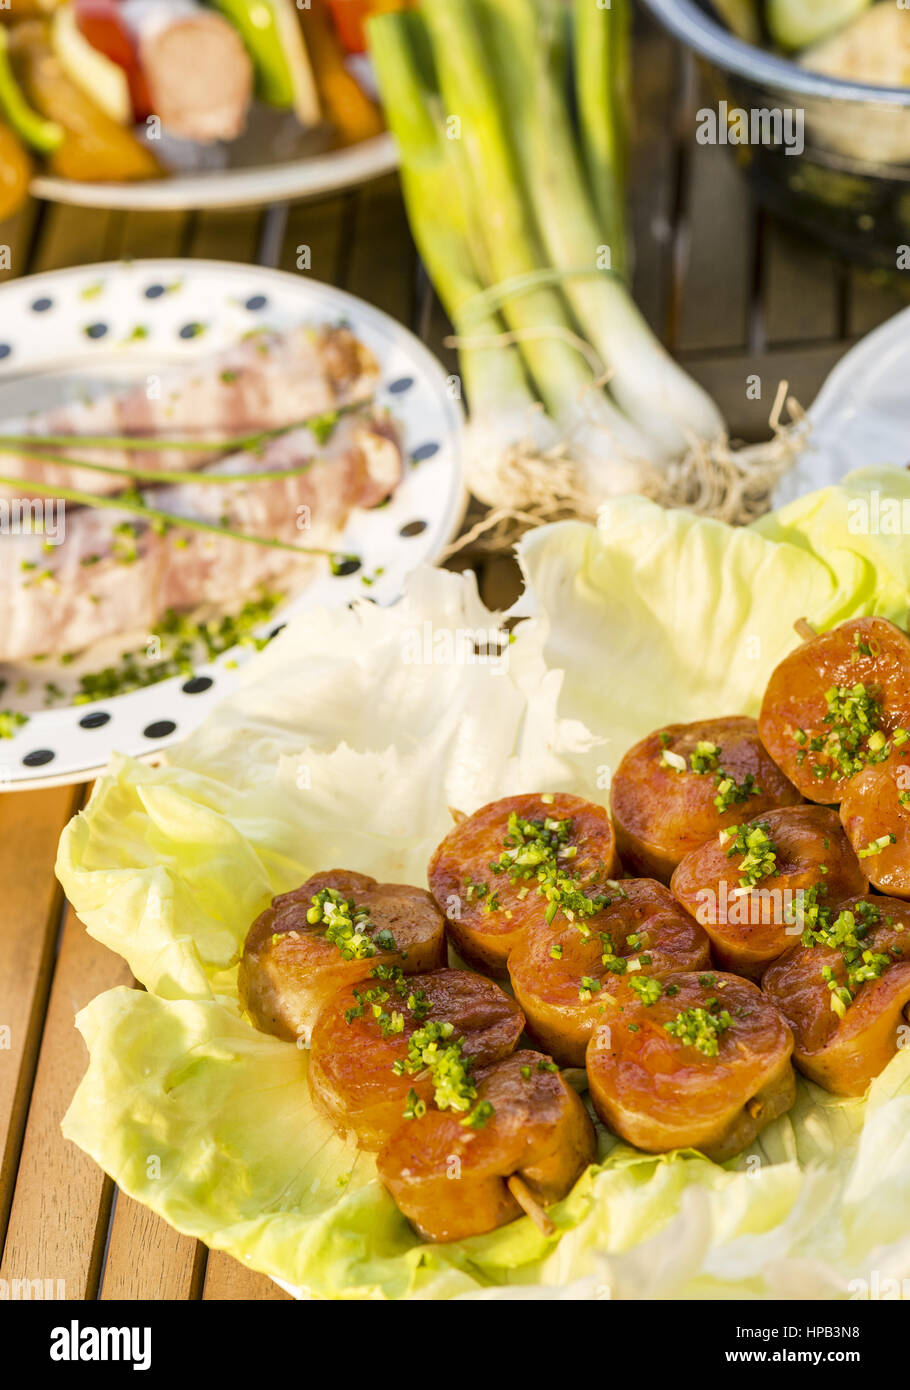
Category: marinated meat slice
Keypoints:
(875, 813)
(450, 1178)
(711, 1081)
(364, 1030)
(292, 965)
(847, 1002)
(686, 782)
(267, 381)
(561, 971)
(747, 888)
(527, 837)
(831, 705)
(117, 574)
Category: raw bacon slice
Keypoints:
(103, 580)
(268, 381)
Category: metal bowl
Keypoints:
(850, 184)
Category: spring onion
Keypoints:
(513, 166)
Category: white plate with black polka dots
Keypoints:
(90, 330)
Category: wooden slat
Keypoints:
(172, 1266)
(433, 326)
(382, 265)
(152, 234)
(805, 368)
(500, 581)
(61, 1204)
(803, 288)
(227, 1279)
(74, 236)
(321, 227)
(652, 198)
(218, 235)
(30, 826)
(716, 288)
(16, 233)
(872, 298)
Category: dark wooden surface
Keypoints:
(731, 291)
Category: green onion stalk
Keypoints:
(529, 377)
(520, 220)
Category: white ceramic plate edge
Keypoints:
(231, 188)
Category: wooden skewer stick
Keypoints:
(457, 816)
(529, 1204)
(804, 629)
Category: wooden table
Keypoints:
(731, 292)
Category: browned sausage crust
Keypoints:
(449, 1178)
(659, 1089)
(831, 705)
(487, 911)
(290, 968)
(875, 813)
(357, 1042)
(686, 782)
(559, 971)
(746, 890)
(846, 1002)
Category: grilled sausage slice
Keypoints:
(875, 813)
(352, 1071)
(450, 1178)
(659, 1091)
(843, 1045)
(486, 911)
(290, 968)
(560, 971)
(750, 926)
(685, 783)
(831, 704)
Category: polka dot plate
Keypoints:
(97, 328)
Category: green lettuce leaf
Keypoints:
(349, 739)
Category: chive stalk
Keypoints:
(473, 230)
(161, 444)
(155, 514)
(165, 475)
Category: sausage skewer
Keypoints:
(564, 972)
(332, 932)
(705, 1066)
(395, 1045)
(535, 1139)
(513, 862)
(875, 812)
(746, 888)
(845, 989)
(832, 706)
(685, 783)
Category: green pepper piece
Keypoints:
(43, 136)
(258, 27)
